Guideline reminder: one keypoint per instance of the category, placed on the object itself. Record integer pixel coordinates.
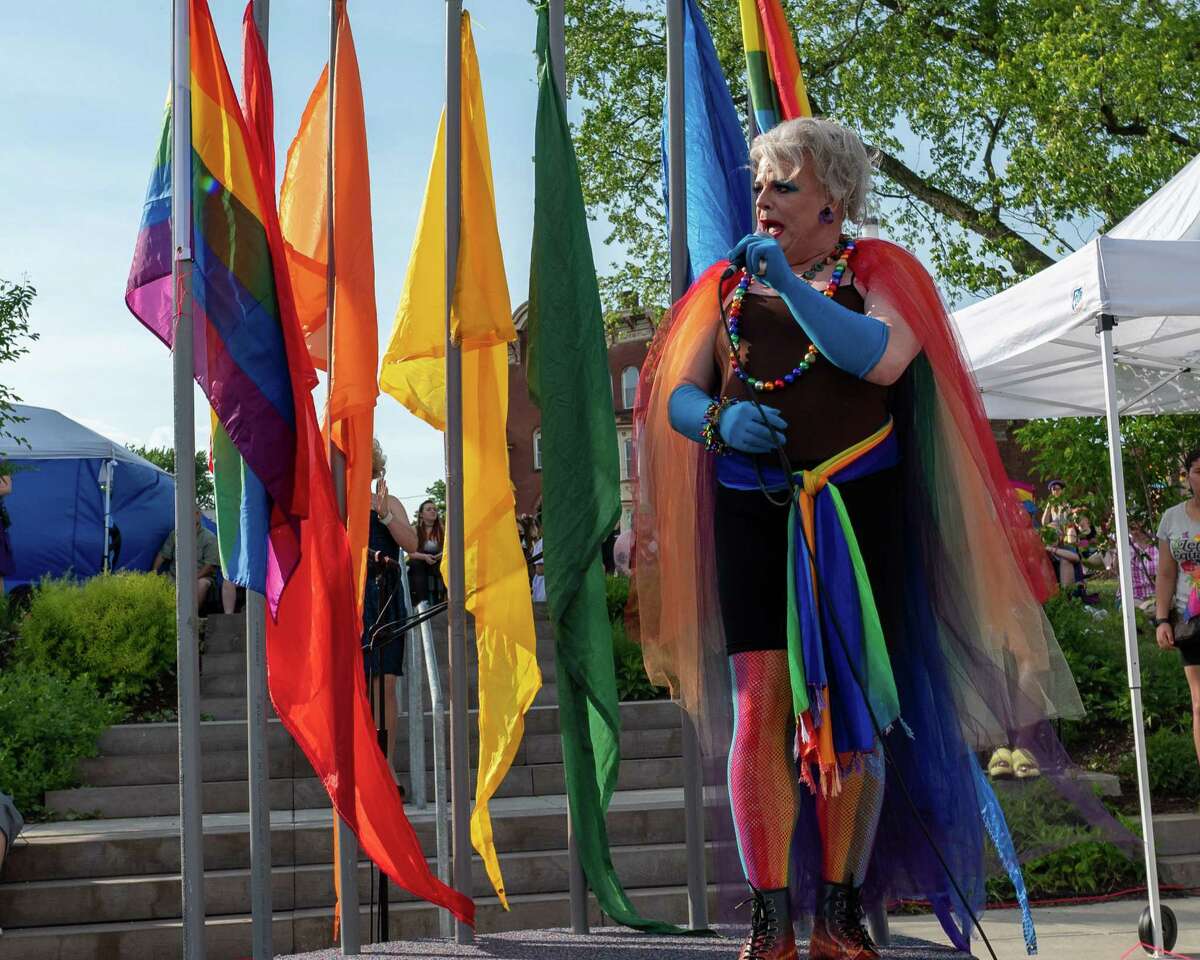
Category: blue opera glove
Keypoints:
(849, 340)
(741, 426)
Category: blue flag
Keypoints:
(716, 160)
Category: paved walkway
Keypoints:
(1106, 931)
(1102, 931)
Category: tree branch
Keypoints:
(1137, 128)
(950, 34)
(1026, 257)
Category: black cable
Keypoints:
(862, 689)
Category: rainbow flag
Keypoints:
(777, 88)
(241, 360)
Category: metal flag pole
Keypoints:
(460, 773)
(256, 720)
(693, 787)
(191, 824)
(347, 859)
(577, 880)
(1104, 327)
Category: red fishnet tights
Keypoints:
(763, 783)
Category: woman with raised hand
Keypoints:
(826, 533)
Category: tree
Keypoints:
(15, 300)
(164, 458)
(1075, 450)
(1028, 115)
(436, 492)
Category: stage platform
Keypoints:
(609, 943)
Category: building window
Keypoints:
(625, 454)
(629, 382)
(537, 449)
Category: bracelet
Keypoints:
(710, 430)
(386, 518)
(1159, 621)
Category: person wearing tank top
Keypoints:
(802, 389)
(1177, 593)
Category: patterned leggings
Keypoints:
(763, 784)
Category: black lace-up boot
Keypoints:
(838, 930)
(771, 935)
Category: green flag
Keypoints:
(581, 501)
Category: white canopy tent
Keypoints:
(1112, 329)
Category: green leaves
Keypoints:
(1009, 132)
(15, 300)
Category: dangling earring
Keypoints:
(826, 215)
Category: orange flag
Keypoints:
(304, 217)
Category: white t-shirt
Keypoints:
(1182, 533)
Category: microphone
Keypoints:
(381, 559)
(732, 269)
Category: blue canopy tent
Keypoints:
(69, 484)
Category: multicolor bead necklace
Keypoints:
(841, 254)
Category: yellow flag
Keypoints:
(414, 372)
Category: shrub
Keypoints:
(617, 591)
(118, 629)
(632, 682)
(47, 723)
(1171, 760)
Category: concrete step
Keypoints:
(288, 761)
(1177, 834)
(233, 707)
(310, 929)
(226, 892)
(1182, 870)
(302, 793)
(146, 738)
(141, 846)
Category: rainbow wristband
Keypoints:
(710, 429)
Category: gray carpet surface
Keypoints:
(610, 943)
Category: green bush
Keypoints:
(617, 591)
(47, 723)
(118, 629)
(1171, 760)
(1094, 647)
(632, 682)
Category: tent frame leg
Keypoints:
(1104, 328)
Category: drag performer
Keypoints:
(842, 561)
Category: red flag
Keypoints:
(314, 660)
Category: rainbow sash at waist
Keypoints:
(837, 657)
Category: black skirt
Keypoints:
(751, 536)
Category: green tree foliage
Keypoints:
(1075, 450)
(15, 300)
(1024, 116)
(436, 492)
(164, 457)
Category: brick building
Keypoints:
(628, 339)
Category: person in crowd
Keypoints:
(10, 825)
(622, 552)
(1144, 557)
(1057, 508)
(607, 550)
(383, 596)
(1177, 593)
(208, 560)
(424, 563)
(7, 565)
(537, 584)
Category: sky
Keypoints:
(82, 90)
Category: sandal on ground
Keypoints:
(1025, 765)
(1000, 767)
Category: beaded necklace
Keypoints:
(841, 254)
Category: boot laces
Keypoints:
(764, 927)
(848, 916)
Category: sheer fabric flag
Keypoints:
(303, 211)
(777, 88)
(716, 161)
(581, 501)
(241, 363)
(413, 372)
(246, 328)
